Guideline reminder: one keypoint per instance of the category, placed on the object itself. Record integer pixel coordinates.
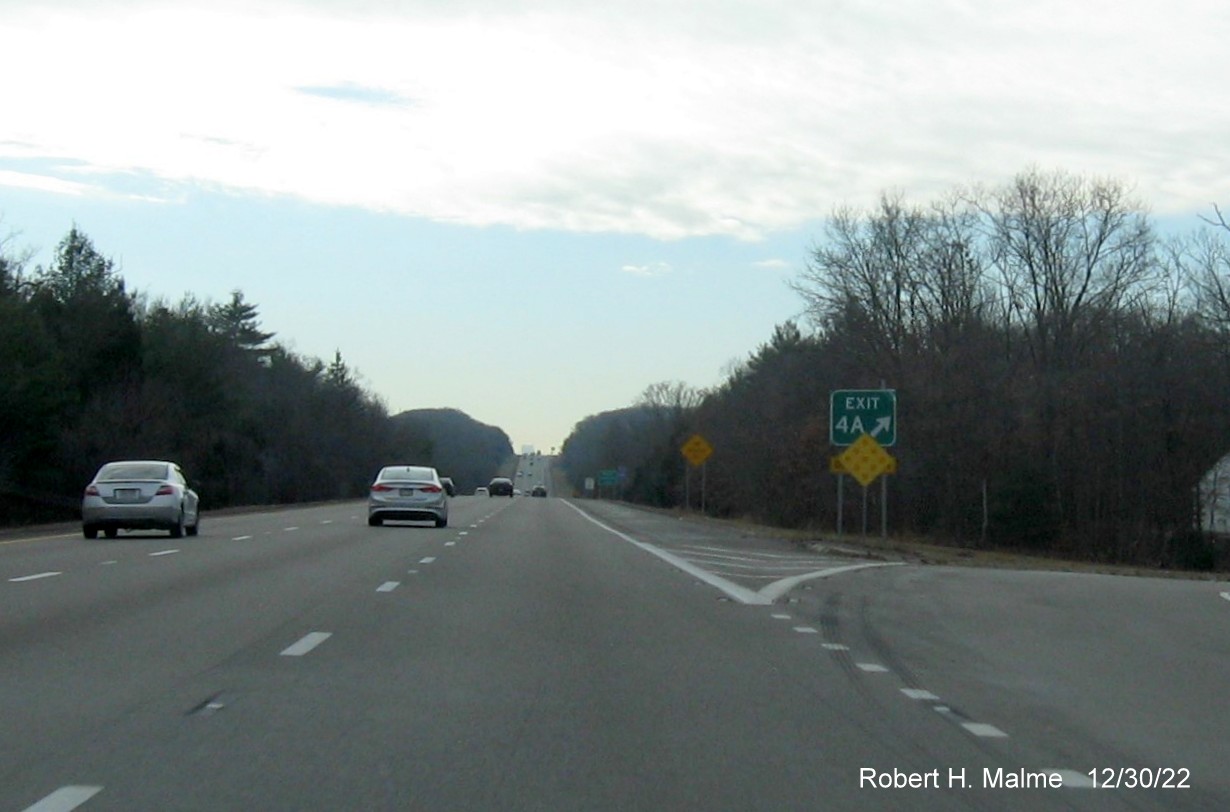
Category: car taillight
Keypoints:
(431, 489)
(165, 490)
(91, 490)
(380, 487)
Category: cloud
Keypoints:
(705, 117)
(44, 183)
(772, 264)
(650, 270)
(350, 92)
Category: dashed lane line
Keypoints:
(38, 576)
(305, 644)
(64, 799)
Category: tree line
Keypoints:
(1061, 368)
(90, 371)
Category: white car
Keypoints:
(407, 493)
(480, 491)
(140, 495)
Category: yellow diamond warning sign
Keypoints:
(696, 449)
(864, 460)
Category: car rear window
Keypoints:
(132, 470)
(407, 473)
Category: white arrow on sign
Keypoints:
(883, 424)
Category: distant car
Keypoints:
(500, 486)
(481, 491)
(407, 493)
(140, 495)
(539, 490)
(449, 487)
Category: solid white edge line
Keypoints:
(64, 799)
(306, 643)
(778, 588)
(764, 597)
(35, 577)
(739, 593)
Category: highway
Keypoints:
(564, 654)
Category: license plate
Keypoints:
(128, 494)
(409, 492)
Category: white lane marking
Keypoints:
(464, 533)
(759, 555)
(388, 586)
(872, 668)
(64, 799)
(1073, 779)
(739, 593)
(105, 563)
(427, 560)
(763, 597)
(306, 643)
(289, 529)
(775, 590)
(780, 617)
(412, 572)
(805, 630)
(919, 694)
(984, 730)
(450, 544)
(1226, 595)
(759, 566)
(35, 577)
(163, 552)
(836, 647)
(241, 538)
(39, 538)
(326, 521)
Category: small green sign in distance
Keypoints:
(855, 412)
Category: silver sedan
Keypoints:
(140, 495)
(407, 492)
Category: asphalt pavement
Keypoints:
(543, 654)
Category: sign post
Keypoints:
(864, 420)
(696, 450)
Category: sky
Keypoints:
(533, 211)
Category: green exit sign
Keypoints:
(855, 412)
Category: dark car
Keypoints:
(539, 490)
(500, 486)
(449, 487)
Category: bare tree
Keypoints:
(1068, 251)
